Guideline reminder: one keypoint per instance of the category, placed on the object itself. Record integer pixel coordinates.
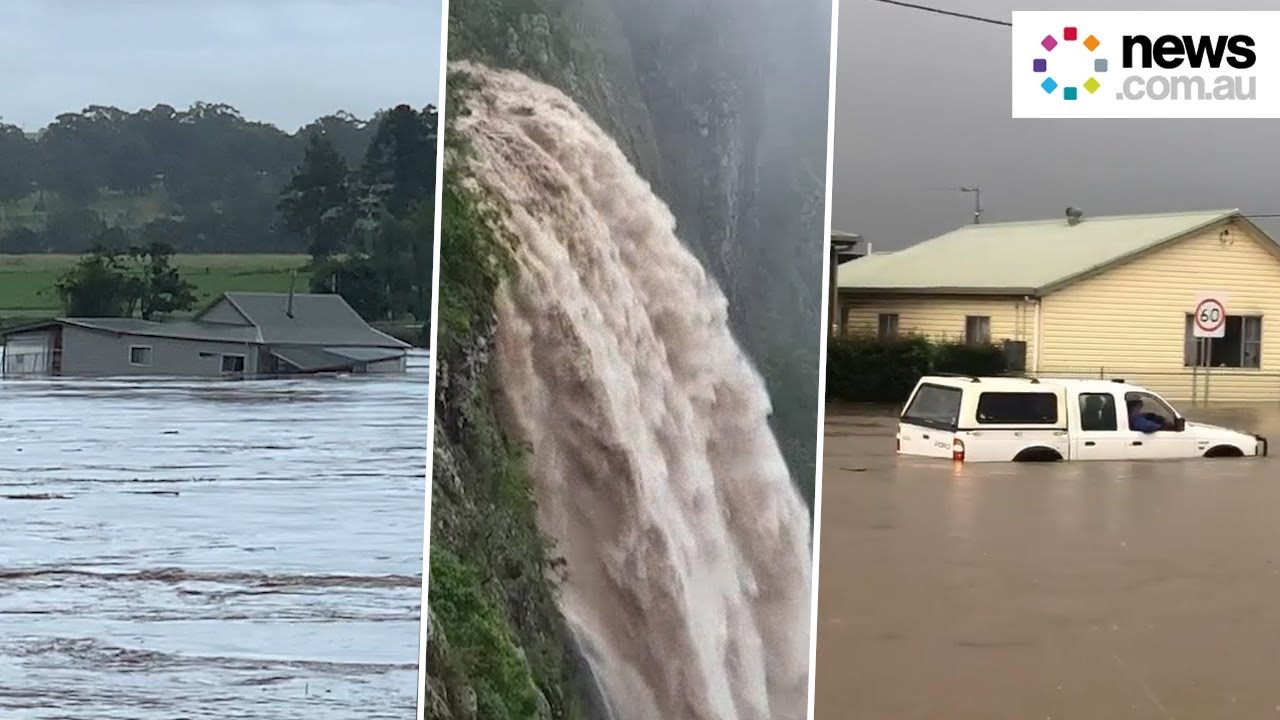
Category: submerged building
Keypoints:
(240, 335)
(1089, 297)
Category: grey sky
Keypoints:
(281, 61)
(922, 108)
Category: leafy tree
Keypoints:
(317, 201)
(17, 164)
(108, 282)
(156, 287)
(400, 165)
(97, 286)
(359, 281)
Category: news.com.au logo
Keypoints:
(1050, 43)
(1143, 64)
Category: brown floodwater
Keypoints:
(1071, 590)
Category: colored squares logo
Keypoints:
(1041, 65)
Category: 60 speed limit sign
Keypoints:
(1210, 318)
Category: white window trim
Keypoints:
(222, 362)
(150, 354)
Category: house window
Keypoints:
(1098, 412)
(1017, 408)
(140, 355)
(977, 329)
(1239, 347)
(888, 325)
(232, 363)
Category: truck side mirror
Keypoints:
(1180, 424)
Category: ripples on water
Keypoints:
(203, 548)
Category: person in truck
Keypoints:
(1140, 421)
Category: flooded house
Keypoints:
(1079, 296)
(242, 334)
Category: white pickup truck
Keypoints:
(1002, 419)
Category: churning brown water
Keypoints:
(1100, 590)
(657, 475)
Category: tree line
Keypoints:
(204, 179)
(365, 216)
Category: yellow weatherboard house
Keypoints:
(1090, 297)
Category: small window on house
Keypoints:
(1098, 412)
(232, 363)
(140, 355)
(888, 325)
(1240, 345)
(977, 329)
(1017, 408)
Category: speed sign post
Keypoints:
(1210, 318)
(1208, 321)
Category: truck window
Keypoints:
(1017, 408)
(1098, 412)
(934, 406)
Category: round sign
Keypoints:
(1210, 315)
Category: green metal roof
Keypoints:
(1023, 258)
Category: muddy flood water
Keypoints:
(1070, 590)
(174, 549)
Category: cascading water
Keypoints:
(656, 472)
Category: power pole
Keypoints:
(977, 202)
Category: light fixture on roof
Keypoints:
(977, 202)
(1074, 215)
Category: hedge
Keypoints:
(875, 370)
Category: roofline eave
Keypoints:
(954, 290)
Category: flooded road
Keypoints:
(211, 549)
(1072, 590)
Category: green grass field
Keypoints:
(26, 281)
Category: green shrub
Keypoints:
(482, 642)
(874, 370)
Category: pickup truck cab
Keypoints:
(1002, 419)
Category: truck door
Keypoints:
(1159, 445)
(1098, 434)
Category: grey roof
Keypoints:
(185, 330)
(1024, 258)
(318, 319)
(316, 359)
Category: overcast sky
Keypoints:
(281, 61)
(923, 108)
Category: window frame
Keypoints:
(887, 325)
(1115, 412)
(1191, 345)
(222, 363)
(905, 416)
(1144, 396)
(1056, 422)
(984, 325)
(150, 356)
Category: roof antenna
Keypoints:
(1074, 216)
(293, 278)
(977, 202)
